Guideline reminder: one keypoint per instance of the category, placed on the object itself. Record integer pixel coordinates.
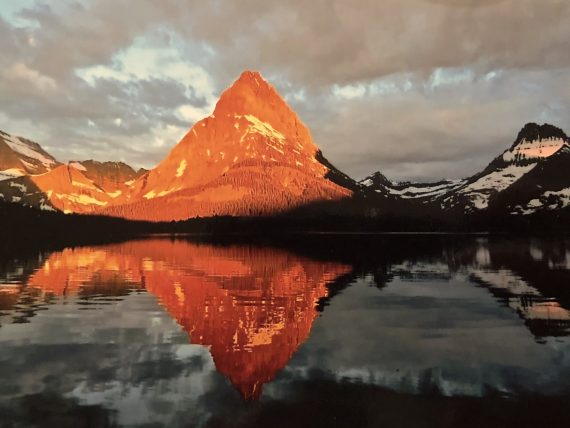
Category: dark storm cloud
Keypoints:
(423, 128)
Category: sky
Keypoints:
(416, 89)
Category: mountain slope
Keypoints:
(252, 156)
(32, 177)
(545, 188)
(86, 187)
(108, 175)
(533, 167)
(19, 156)
(535, 145)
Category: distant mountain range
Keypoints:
(254, 157)
(526, 178)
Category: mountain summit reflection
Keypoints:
(251, 306)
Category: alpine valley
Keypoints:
(254, 158)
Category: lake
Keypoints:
(318, 330)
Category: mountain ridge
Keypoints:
(253, 156)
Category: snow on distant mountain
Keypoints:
(409, 190)
(19, 156)
(22, 190)
(535, 145)
(11, 173)
(539, 151)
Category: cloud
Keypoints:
(20, 73)
(418, 89)
(416, 130)
(349, 91)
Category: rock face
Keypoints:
(252, 156)
(110, 176)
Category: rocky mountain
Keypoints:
(86, 187)
(527, 177)
(31, 176)
(252, 156)
(19, 156)
(108, 175)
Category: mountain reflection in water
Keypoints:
(252, 307)
(415, 315)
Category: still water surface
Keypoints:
(415, 331)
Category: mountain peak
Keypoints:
(535, 142)
(250, 75)
(251, 94)
(252, 156)
(376, 180)
(248, 79)
(534, 132)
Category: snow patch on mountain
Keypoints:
(77, 166)
(11, 173)
(19, 186)
(25, 149)
(150, 195)
(257, 126)
(80, 199)
(181, 168)
(46, 207)
(81, 185)
(426, 191)
(406, 190)
(168, 192)
(481, 190)
(549, 200)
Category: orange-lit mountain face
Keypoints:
(32, 177)
(88, 186)
(252, 156)
(253, 307)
